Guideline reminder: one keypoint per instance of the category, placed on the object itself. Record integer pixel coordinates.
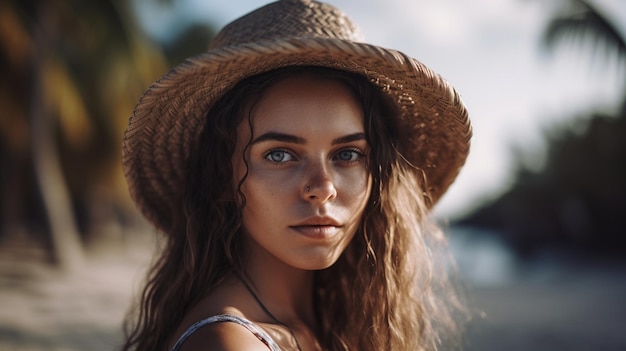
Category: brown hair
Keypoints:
(380, 294)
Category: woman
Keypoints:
(291, 169)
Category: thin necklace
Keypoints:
(258, 300)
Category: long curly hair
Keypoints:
(389, 290)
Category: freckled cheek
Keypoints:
(357, 189)
(259, 203)
(265, 185)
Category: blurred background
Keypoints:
(535, 218)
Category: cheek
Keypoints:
(357, 191)
(262, 190)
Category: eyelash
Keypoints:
(355, 151)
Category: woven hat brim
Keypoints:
(170, 115)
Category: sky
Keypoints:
(490, 51)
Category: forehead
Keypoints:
(305, 103)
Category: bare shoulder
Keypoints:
(226, 299)
(224, 336)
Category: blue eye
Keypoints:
(348, 155)
(279, 156)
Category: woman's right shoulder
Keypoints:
(223, 336)
(218, 322)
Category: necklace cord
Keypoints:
(266, 310)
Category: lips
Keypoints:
(319, 221)
(318, 227)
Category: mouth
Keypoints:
(318, 227)
(317, 231)
(319, 221)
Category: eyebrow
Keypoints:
(288, 138)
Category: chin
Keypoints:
(315, 265)
(315, 258)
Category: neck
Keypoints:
(286, 291)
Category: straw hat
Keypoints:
(169, 117)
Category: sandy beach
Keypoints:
(42, 308)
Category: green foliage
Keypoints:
(75, 68)
(578, 200)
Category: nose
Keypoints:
(319, 185)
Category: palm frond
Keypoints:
(581, 22)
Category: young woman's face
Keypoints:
(308, 182)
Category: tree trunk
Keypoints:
(67, 249)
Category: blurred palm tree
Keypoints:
(581, 22)
(72, 71)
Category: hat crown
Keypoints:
(287, 19)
